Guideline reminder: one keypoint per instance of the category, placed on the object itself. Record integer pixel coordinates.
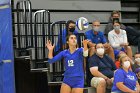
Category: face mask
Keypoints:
(96, 29)
(72, 29)
(137, 60)
(100, 51)
(116, 27)
(126, 64)
(116, 20)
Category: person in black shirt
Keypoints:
(133, 36)
(102, 69)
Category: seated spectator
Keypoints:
(137, 71)
(114, 16)
(96, 36)
(133, 35)
(137, 61)
(70, 29)
(125, 81)
(118, 40)
(117, 62)
(102, 69)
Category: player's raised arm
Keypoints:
(50, 48)
(85, 45)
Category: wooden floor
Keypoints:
(55, 87)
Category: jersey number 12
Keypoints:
(70, 63)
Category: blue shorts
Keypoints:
(116, 52)
(74, 82)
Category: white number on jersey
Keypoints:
(70, 63)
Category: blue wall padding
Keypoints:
(7, 81)
(3, 2)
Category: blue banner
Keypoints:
(7, 81)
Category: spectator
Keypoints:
(133, 35)
(137, 71)
(117, 62)
(137, 61)
(70, 29)
(102, 69)
(118, 40)
(125, 81)
(96, 36)
(115, 15)
(73, 58)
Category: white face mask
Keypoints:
(96, 29)
(126, 64)
(100, 51)
(116, 27)
(137, 60)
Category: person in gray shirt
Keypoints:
(115, 16)
(133, 34)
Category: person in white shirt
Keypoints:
(118, 40)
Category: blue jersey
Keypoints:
(64, 35)
(73, 62)
(129, 79)
(99, 38)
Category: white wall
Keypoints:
(78, 5)
(75, 4)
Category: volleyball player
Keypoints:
(73, 81)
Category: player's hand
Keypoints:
(85, 42)
(49, 45)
